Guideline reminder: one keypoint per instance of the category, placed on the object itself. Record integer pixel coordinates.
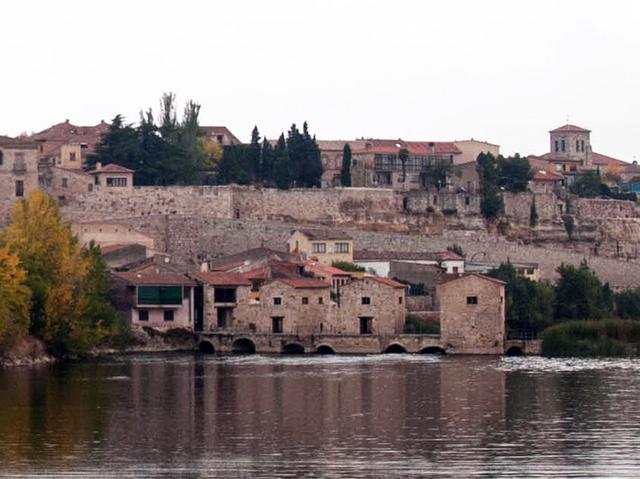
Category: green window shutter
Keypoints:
(159, 294)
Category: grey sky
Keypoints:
(502, 71)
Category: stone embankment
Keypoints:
(27, 351)
(196, 223)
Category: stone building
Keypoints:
(472, 313)
(220, 135)
(18, 171)
(372, 305)
(67, 145)
(472, 148)
(378, 163)
(544, 181)
(331, 156)
(159, 299)
(571, 153)
(112, 176)
(326, 246)
(464, 177)
(379, 262)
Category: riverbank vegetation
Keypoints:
(578, 316)
(50, 286)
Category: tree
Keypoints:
(252, 154)
(491, 203)
(587, 185)
(514, 173)
(304, 158)
(281, 165)
(628, 304)
(581, 295)
(529, 305)
(403, 156)
(15, 298)
(68, 308)
(456, 248)
(345, 171)
(436, 175)
(266, 162)
(533, 214)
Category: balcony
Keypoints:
(19, 169)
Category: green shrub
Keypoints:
(610, 337)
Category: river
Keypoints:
(381, 416)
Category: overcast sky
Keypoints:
(501, 71)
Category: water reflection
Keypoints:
(374, 416)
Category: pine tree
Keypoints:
(345, 172)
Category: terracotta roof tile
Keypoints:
(325, 234)
(568, 127)
(387, 282)
(448, 278)
(392, 147)
(154, 279)
(219, 278)
(110, 168)
(364, 255)
(543, 175)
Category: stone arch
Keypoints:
(206, 347)
(243, 346)
(432, 350)
(325, 349)
(293, 348)
(515, 351)
(395, 348)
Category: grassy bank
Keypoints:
(610, 337)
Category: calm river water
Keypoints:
(326, 416)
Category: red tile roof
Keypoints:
(325, 269)
(568, 127)
(392, 147)
(323, 235)
(154, 279)
(387, 282)
(543, 175)
(304, 283)
(600, 159)
(219, 278)
(67, 132)
(110, 168)
(19, 143)
(448, 278)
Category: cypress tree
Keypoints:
(253, 156)
(345, 172)
(266, 162)
(282, 165)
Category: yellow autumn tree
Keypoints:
(63, 302)
(15, 299)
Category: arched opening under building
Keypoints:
(515, 351)
(243, 346)
(432, 350)
(293, 348)
(206, 347)
(395, 349)
(324, 349)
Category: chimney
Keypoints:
(204, 267)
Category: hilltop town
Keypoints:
(389, 239)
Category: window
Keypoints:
(19, 188)
(305, 300)
(365, 325)
(342, 247)
(558, 167)
(168, 315)
(467, 201)
(399, 299)
(65, 182)
(276, 324)
(224, 295)
(435, 200)
(90, 187)
(557, 146)
(455, 269)
(143, 315)
(19, 166)
(320, 300)
(577, 145)
(581, 145)
(319, 247)
(472, 300)
(366, 300)
(116, 182)
(562, 145)
(72, 156)
(277, 301)
(159, 294)
(1, 157)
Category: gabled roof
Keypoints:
(19, 143)
(387, 282)
(163, 278)
(304, 283)
(600, 159)
(543, 175)
(392, 147)
(572, 128)
(67, 132)
(220, 130)
(317, 267)
(338, 145)
(220, 278)
(110, 168)
(247, 257)
(323, 235)
(448, 278)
